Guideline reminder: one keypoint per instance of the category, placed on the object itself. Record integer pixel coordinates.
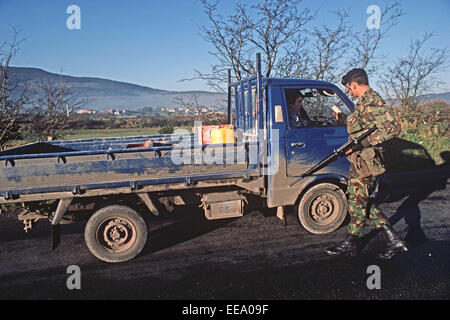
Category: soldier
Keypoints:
(366, 164)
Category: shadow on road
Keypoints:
(189, 223)
(414, 186)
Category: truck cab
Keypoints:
(259, 108)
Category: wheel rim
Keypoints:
(116, 234)
(323, 208)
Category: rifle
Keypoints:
(336, 153)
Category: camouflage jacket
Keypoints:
(371, 111)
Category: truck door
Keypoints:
(314, 131)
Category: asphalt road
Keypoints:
(253, 257)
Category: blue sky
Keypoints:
(156, 43)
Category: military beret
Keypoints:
(355, 75)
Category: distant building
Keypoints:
(115, 112)
(86, 111)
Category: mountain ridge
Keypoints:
(105, 93)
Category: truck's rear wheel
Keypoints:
(115, 233)
(323, 208)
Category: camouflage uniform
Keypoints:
(367, 164)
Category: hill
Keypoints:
(104, 94)
(443, 96)
(109, 94)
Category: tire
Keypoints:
(323, 208)
(115, 233)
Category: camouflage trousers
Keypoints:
(360, 210)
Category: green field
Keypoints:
(108, 133)
(73, 134)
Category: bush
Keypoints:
(168, 129)
(427, 125)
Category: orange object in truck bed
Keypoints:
(206, 132)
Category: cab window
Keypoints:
(315, 108)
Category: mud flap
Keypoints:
(281, 214)
(63, 205)
(145, 197)
(56, 236)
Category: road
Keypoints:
(253, 257)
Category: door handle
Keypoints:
(297, 144)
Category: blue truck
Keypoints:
(101, 180)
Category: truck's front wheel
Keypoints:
(115, 233)
(322, 208)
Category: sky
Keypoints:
(157, 43)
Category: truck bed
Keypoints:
(131, 162)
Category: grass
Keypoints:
(108, 133)
(435, 145)
(426, 129)
(73, 134)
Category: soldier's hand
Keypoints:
(336, 115)
(340, 117)
(357, 147)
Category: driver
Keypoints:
(297, 115)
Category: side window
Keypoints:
(315, 108)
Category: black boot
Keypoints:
(349, 246)
(394, 243)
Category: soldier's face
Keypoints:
(351, 88)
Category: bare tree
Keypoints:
(51, 114)
(12, 98)
(368, 42)
(278, 23)
(277, 30)
(330, 46)
(414, 74)
(228, 38)
(270, 27)
(333, 45)
(192, 104)
(295, 61)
